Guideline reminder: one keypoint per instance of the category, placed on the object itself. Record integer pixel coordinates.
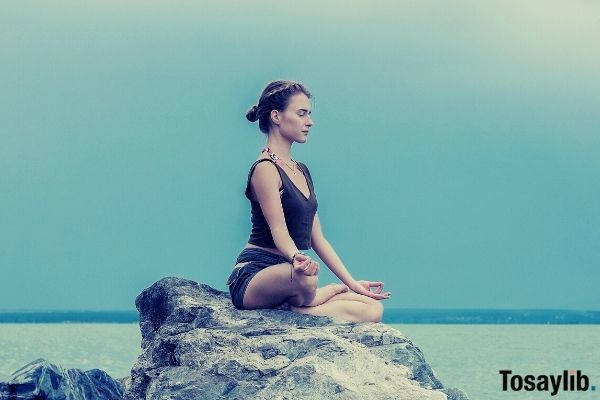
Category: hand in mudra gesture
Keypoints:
(303, 264)
(364, 288)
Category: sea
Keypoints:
(463, 347)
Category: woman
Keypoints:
(272, 271)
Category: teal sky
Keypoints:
(455, 150)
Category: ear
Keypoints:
(275, 116)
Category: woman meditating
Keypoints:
(272, 271)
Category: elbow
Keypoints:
(317, 241)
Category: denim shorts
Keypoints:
(240, 276)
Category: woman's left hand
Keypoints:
(364, 288)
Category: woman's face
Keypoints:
(295, 120)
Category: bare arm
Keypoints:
(265, 182)
(326, 253)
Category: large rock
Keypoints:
(41, 380)
(196, 345)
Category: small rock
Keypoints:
(42, 380)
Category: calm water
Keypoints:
(464, 356)
(110, 347)
(469, 356)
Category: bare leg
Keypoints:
(322, 295)
(271, 287)
(349, 306)
(327, 292)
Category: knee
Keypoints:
(374, 311)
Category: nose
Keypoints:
(310, 121)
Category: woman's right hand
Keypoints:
(305, 265)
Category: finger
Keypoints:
(380, 296)
(378, 285)
(305, 262)
(304, 259)
(302, 267)
(308, 269)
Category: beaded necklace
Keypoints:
(278, 160)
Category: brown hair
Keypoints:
(275, 96)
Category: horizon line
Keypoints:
(387, 308)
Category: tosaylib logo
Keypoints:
(569, 381)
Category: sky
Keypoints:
(455, 150)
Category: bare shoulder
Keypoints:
(265, 175)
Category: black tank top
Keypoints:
(298, 210)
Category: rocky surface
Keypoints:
(196, 345)
(42, 380)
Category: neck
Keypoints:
(280, 146)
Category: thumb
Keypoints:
(301, 257)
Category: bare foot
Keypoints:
(326, 292)
(340, 288)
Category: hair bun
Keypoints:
(251, 113)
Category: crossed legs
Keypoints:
(349, 306)
(271, 287)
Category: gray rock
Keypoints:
(196, 345)
(41, 380)
(125, 382)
